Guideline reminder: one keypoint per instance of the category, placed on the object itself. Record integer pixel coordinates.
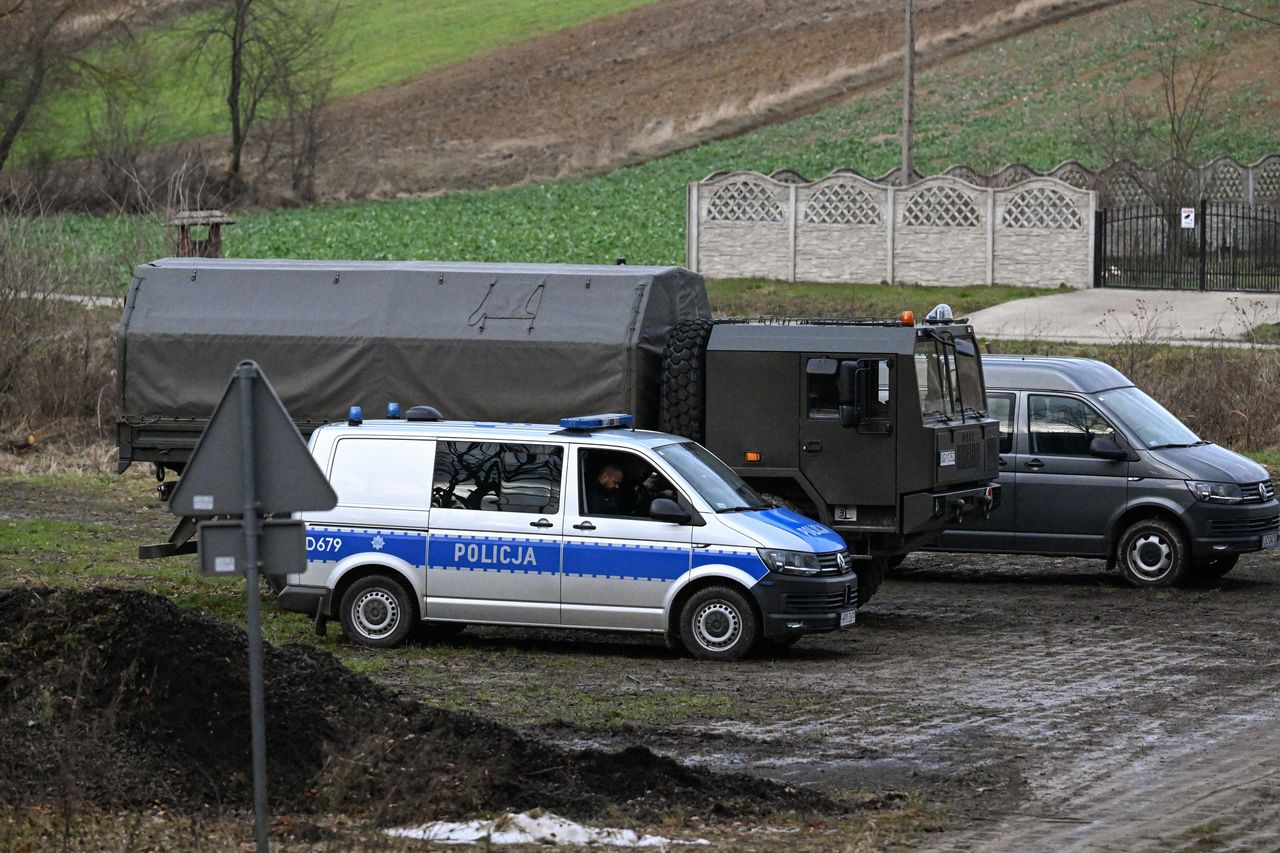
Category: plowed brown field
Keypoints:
(637, 85)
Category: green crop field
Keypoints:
(1020, 100)
(387, 41)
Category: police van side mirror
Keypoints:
(665, 509)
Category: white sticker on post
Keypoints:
(224, 565)
(202, 502)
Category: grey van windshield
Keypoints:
(711, 478)
(1151, 422)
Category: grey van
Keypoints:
(1090, 466)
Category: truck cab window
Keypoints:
(1064, 426)
(495, 477)
(822, 392)
(620, 484)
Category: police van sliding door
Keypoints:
(618, 562)
(493, 553)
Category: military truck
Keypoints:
(877, 428)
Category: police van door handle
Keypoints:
(1034, 463)
(586, 525)
(812, 447)
(542, 522)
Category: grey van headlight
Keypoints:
(1218, 493)
(790, 562)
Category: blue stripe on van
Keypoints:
(625, 562)
(331, 544)
(526, 556)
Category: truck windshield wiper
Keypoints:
(937, 412)
(1175, 444)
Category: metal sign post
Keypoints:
(251, 462)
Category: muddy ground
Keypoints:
(1023, 703)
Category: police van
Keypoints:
(589, 524)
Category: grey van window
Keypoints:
(1002, 410)
(381, 472)
(497, 477)
(1064, 426)
(1150, 421)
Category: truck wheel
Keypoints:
(717, 623)
(1153, 552)
(1213, 568)
(870, 575)
(376, 612)
(682, 402)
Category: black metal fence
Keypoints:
(1212, 246)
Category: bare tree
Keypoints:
(42, 46)
(267, 52)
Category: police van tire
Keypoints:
(377, 612)
(1153, 552)
(718, 623)
(870, 575)
(683, 397)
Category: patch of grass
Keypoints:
(390, 41)
(741, 297)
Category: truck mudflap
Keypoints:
(928, 511)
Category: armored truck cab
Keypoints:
(875, 428)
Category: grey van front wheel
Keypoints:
(376, 612)
(717, 623)
(1153, 552)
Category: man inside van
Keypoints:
(604, 491)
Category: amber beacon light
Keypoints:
(907, 318)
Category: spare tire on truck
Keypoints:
(682, 408)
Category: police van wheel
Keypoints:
(1153, 552)
(717, 623)
(377, 612)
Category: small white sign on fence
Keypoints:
(1188, 218)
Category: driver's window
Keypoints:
(618, 484)
(1064, 426)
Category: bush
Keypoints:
(57, 351)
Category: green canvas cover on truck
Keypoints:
(477, 341)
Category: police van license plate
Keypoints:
(1271, 540)
(848, 617)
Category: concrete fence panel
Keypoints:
(1043, 234)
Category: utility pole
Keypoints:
(908, 99)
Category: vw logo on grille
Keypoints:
(1266, 490)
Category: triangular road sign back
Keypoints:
(287, 479)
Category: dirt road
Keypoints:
(1038, 702)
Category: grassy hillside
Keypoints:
(1026, 99)
(390, 41)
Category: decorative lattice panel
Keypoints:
(1042, 207)
(1266, 184)
(744, 201)
(945, 206)
(1227, 183)
(841, 204)
(1126, 190)
(1076, 176)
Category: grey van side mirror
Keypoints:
(1105, 448)
(665, 509)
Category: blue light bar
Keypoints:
(393, 411)
(613, 420)
(355, 416)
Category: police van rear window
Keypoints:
(381, 472)
(497, 477)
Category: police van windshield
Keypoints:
(1153, 424)
(948, 377)
(719, 486)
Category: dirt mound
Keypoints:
(122, 699)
